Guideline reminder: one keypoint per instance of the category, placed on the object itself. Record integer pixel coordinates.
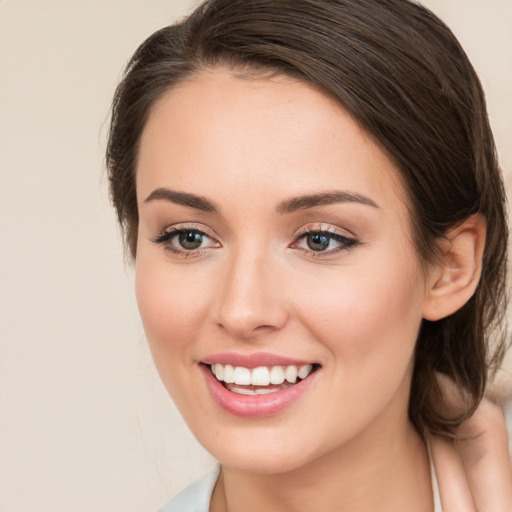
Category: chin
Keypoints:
(272, 447)
(260, 460)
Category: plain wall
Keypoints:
(85, 425)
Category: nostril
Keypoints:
(246, 331)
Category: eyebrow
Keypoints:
(322, 199)
(184, 199)
(288, 206)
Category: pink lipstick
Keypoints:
(256, 385)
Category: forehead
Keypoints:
(225, 133)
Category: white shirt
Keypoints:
(196, 497)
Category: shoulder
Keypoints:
(196, 497)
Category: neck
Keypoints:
(382, 470)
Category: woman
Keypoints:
(310, 191)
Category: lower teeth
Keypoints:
(243, 390)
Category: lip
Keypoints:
(253, 360)
(254, 406)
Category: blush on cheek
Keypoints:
(171, 308)
(366, 316)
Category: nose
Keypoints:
(251, 300)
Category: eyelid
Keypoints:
(321, 227)
(164, 237)
(188, 226)
(346, 239)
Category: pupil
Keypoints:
(190, 240)
(318, 242)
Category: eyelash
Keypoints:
(165, 238)
(345, 242)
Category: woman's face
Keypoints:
(274, 239)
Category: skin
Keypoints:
(247, 146)
(474, 473)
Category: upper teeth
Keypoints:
(260, 376)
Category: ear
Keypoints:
(454, 277)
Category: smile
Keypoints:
(261, 380)
(258, 386)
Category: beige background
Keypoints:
(84, 423)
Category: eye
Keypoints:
(318, 241)
(323, 241)
(190, 239)
(183, 240)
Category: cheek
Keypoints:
(368, 322)
(368, 314)
(171, 306)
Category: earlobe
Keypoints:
(454, 278)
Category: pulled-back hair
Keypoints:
(402, 75)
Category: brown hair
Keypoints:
(403, 76)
